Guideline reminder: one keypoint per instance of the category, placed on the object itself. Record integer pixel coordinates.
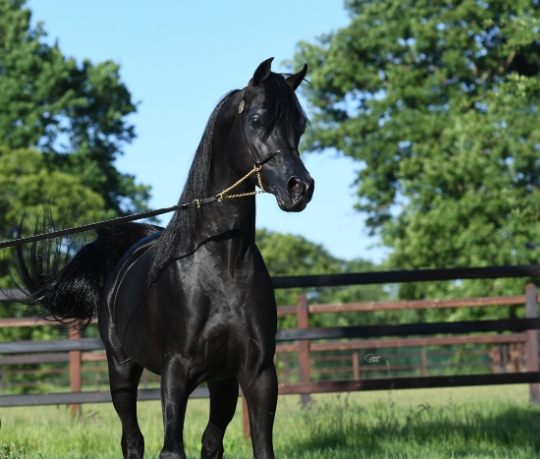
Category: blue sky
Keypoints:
(178, 58)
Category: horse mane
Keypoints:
(178, 237)
(181, 230)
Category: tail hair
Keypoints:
(65, 281)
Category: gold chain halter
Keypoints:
(256, 170)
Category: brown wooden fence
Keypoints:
(304, 341)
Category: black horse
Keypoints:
(194, 302)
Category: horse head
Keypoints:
(266, 130)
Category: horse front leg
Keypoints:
(223, 400)
(174, 397)
(261, 390)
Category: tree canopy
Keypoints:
(438, 101)
(292, 255)
(63, 123)
(74, 114)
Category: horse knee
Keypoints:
(124, 403)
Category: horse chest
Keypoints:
(227, 350)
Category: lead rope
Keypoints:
(195, 203)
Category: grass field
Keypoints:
(482, 422)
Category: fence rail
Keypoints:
(71, 398)
(395, 277)
(364, 331)
(370, 306)
(304, 340)
(379, 277)
(74, 345)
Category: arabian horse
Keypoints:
(194, 302)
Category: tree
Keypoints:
(25, 180)
(439, 103)
(291, 255)
(74, 114)
(62, 125)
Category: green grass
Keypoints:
(483, 422)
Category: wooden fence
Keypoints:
(305, 340)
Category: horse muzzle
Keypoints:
(297, 195)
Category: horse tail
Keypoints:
(68, 286)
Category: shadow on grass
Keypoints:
(450, 431)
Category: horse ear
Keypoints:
(262, 72)
(297, 78)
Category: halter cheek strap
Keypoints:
(255, 160)
(256, 169)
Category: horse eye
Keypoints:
(255, 121)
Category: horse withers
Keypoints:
(194, 302)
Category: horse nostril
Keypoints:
(295, 186)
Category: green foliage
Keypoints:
(291, 255)
(27, 183)
(62, 126)
(439, 103)
(74, 114)
(9, 451)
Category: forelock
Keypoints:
(280, 102)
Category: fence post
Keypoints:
(3, 380)
(532, 339)
(302, 316)
(514, 357)
(286, 376)
(495, 355)
(75, 368)
(424, 363)
(355, 366)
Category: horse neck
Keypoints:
(235, 214)
(210, 174)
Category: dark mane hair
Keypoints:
(181, 229)
(282, 107)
